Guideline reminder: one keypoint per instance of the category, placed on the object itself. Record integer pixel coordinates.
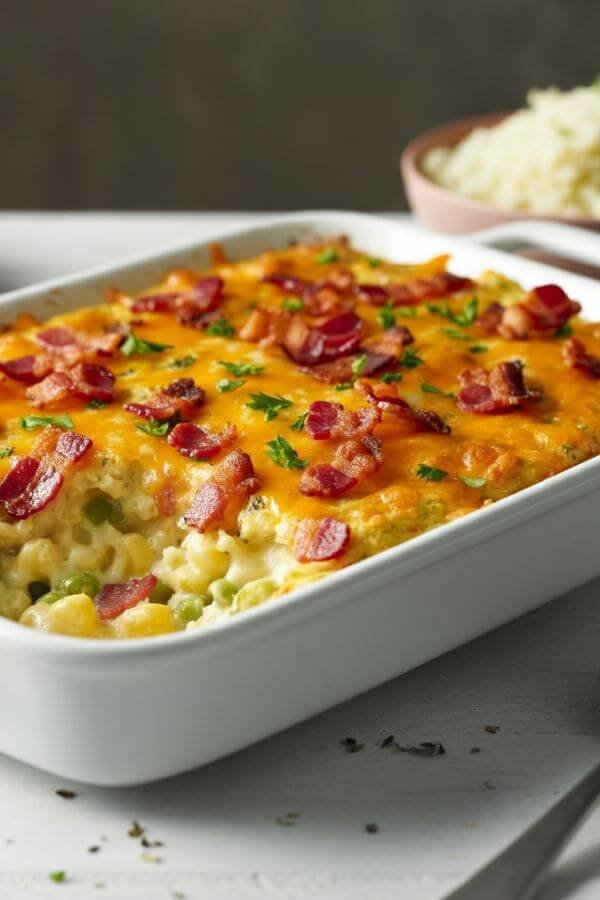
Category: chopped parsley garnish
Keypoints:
(96, 404)
(432, 389)
(565, 331)
(407, 312)
(58, 876)
(133, 344)
(410, 359)
(221, 328)
(478, 348)
(374, 261)
(271, 406)
(28, 423)
(386, 316)
(358, 365)
(472, 482)
(240, 370)
(298, 423)
(154, 427)
(284, 455)
(225, 385)
(456, 335)
(344, 386)
(292, 303)
(430, 473)
(465, 317)
(391, 377)
(328, 255)
(6, 452)
(182, 362)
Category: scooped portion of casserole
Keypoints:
(170, 459)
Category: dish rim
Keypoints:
(429, 547)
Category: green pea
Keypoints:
(37, 589)
(51, 597)
(255, 592)
(189, 608)
(103, 508)
(80, 583)
(222, 592)
(160, 592)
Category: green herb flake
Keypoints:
(96, 404)
(133, 344)
(29, 423)
(225, 385)
(407, 312)
(271, 406)
(456, 335)
(358, 365)
(58, 876)
(410, 359)
(374, 262)
(391, 377)
(472, 482)
(464, 318)
(344, 386)
(154, 427)
(432, 389)
(182, 362)
(328, 255)
(430, 473)
(478, 348)
(284, 455)
(294, 304)
(221, 328)
(565, 331)
(6, 452)
(240, 370)
(386, 316)
(298, 424)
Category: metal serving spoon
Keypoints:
(516, 872)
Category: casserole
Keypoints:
(319, 636)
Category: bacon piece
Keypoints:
(182, 396)
(205, 297)
(340, 370)
(52, 389)
(289, 284)
(318, 540)
(155, 303)
(546, 308)
(327, 420)
(575, 355)
(218, 501)
(28, 369)
(442, 284)
(491, 317)
(57, 340)
(334, 338)
(92, 382)
(108, 343)
(16, 480)
(499, 391)
(385, 397)
(392, 342)
(200, 443)
(166, 500)
(113, 599)
(40, 476)
(353, 461)
(326, 300)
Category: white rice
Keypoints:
(544, 158)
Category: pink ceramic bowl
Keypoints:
(445, 210)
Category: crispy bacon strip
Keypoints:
(327, 420)
(340, 370)
(576, 356)
(85, 380)
(218, 501)
(442, 284)
(353, 461)
(318, 540)
(28, 369)
(544, 310)
(499, 391)
(35, 480)
(194, 306)
(385, 397)
(200, 443)
(113, 599)
(391, 342)
(182, 396)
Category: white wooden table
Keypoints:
(227, 828)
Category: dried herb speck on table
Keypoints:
(65, 793)
(351, 745)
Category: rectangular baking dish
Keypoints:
(121, 713)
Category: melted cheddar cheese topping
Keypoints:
(205, 577)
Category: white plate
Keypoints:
(118, 713)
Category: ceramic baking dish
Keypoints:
(119, 713)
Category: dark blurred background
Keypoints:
(271, 104)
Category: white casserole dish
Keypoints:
(120, 713)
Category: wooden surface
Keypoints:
(227, 828)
